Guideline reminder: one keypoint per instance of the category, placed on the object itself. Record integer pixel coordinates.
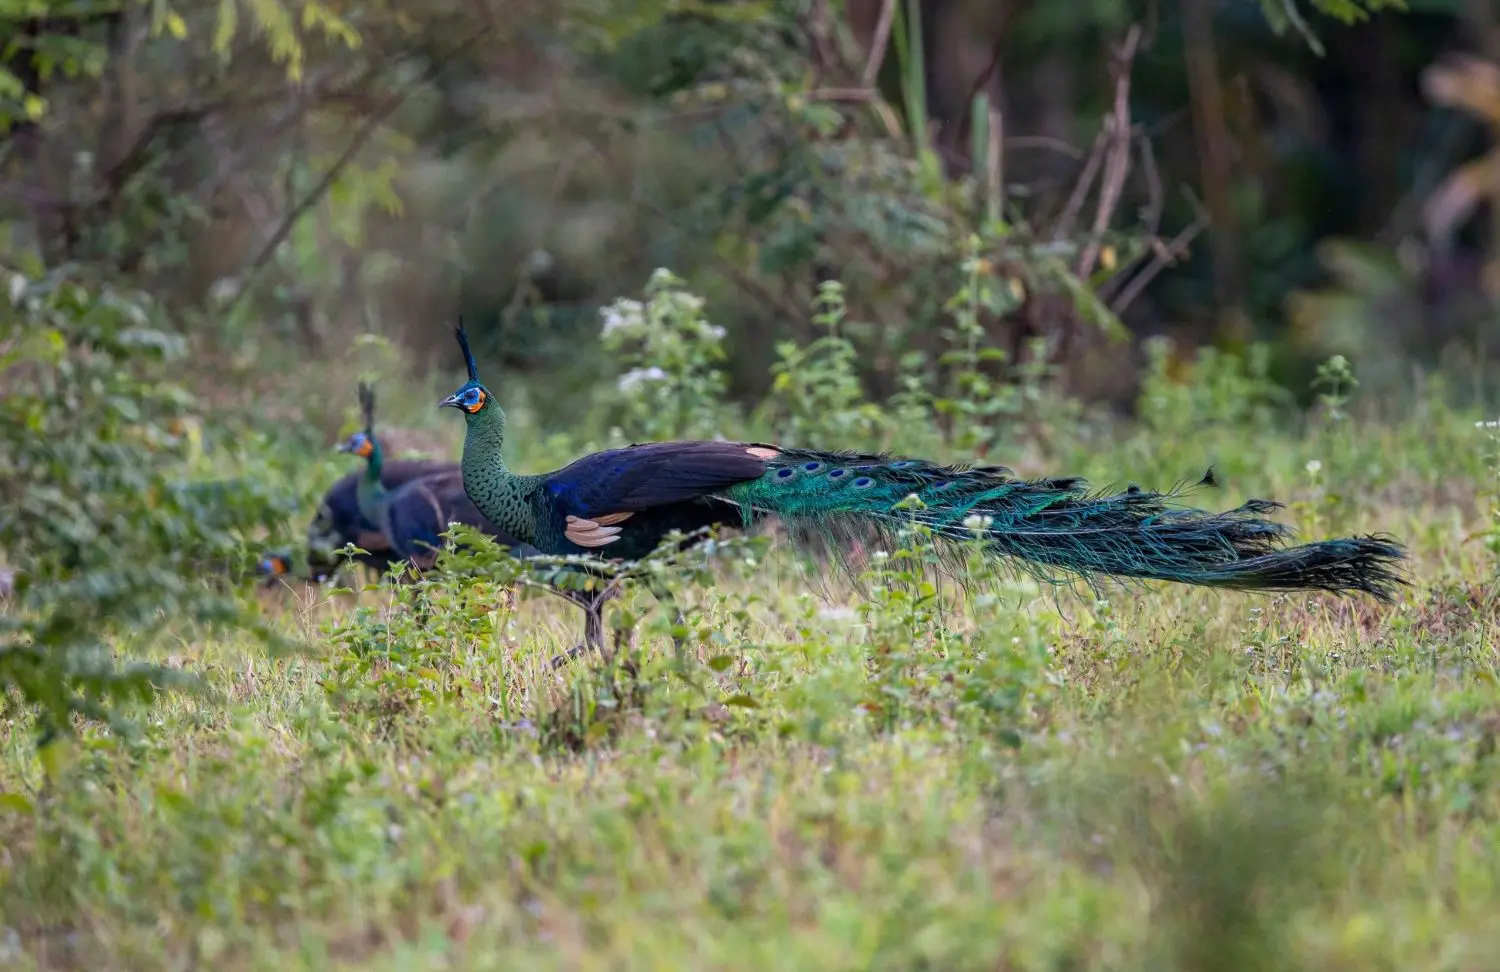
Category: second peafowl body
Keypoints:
(621, 503)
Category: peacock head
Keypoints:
(473, 398)
(274, 565)
(362, 443)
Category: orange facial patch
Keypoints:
(478, 402)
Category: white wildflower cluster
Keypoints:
(1493, 425)
(623, 315)
(978, 522)
(636, 377)
(1314, 467)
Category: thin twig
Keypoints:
(1001, 32)
(841, 94)
(1117, 166)
(878, 44)
(1063, 228)
(1165, 255)
(1154, 205)
(1151, 217)
(362, 136)
(1046, 142)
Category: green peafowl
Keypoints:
(338, 523)
(622, 502)
(410, 519)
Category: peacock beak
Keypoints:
(451, 402)
(343, 447)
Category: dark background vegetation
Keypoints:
(1314, 176)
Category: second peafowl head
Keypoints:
(362, 443)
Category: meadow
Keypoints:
(841, 771)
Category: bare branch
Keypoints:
(878, 44)
(362, 136)
(1164, 255)
(1117, 166)
(1063, 228)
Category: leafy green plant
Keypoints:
(672, 386)
(978, 398)
(816, 396)
(112, 523)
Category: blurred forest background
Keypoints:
(284, 175)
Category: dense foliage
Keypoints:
(117, 528)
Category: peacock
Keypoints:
(338, 523)
(621, 503)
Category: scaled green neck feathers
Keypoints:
(500, 494)
(371, 493)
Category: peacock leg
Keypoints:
(593, 624)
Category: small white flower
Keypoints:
(1492, 424)
(714, 331)
(622, 313)
(1314, 467)
(636, 377)
(224, 290)
(978, 522)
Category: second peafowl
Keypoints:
(622, 502)
(338, 523)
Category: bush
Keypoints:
(111, 525)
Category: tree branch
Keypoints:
(1117, 166)
(362, 136)
(878, 44)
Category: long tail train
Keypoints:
(1056, 528)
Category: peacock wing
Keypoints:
(417, 515)
(642, 477)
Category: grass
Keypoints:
(998, 779)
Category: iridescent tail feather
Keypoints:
(1057, 530)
